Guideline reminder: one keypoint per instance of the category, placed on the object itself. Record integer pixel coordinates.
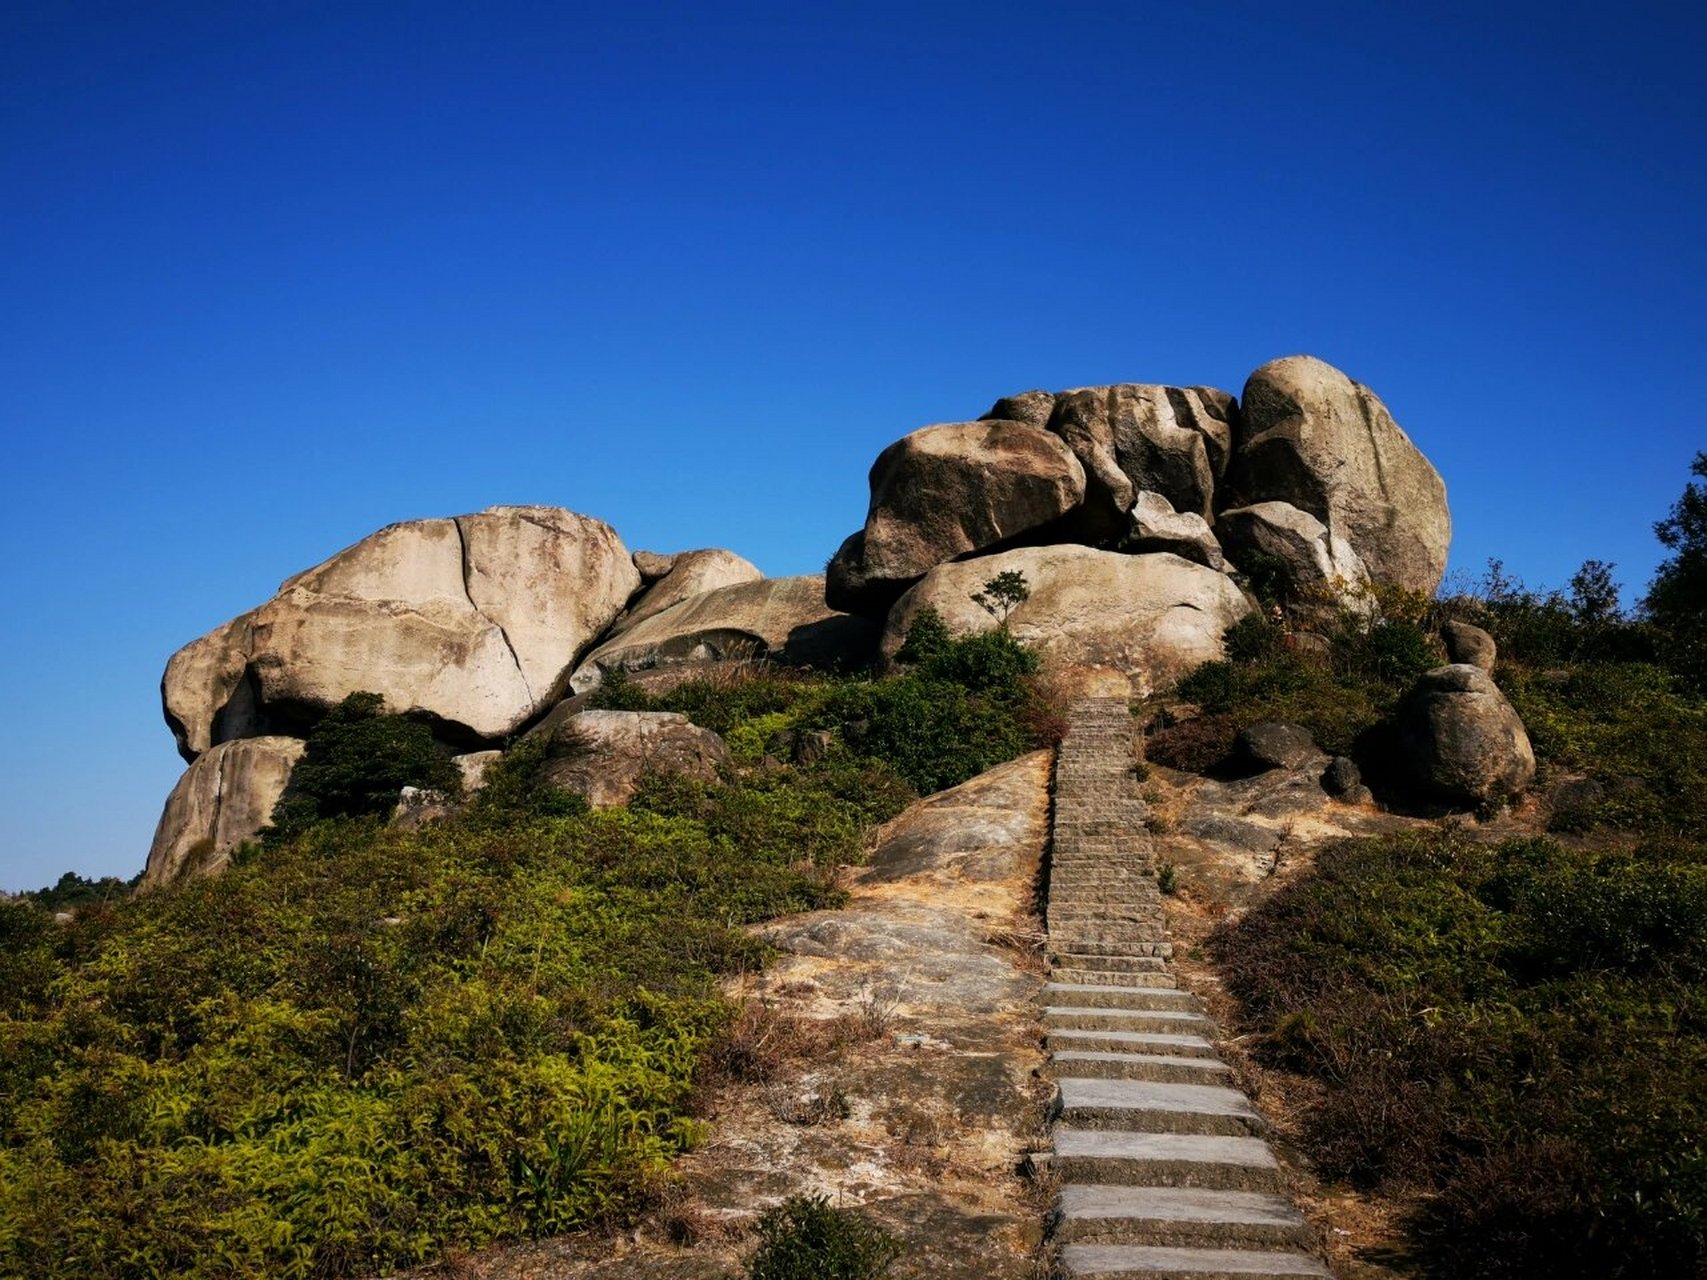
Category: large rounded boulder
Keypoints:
(224, 798)
(1461, 741)
(1152, 617)
(1309, 436)
(947, 490)
(779, 619)
(1314, 564)
(472, 623)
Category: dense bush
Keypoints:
(806, 1238)
(358, 759)
(363, 1045)
(1517, 1029)
(1347, 683)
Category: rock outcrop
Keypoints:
(1315, 565)
(473, 622)
(1462, 742)
(1154, 525)
(784, 619)
(602, 755)
(1152, 617)
(224, 798)
(1174, 441)
(1309, 436)
(944, 491)
(688, 574)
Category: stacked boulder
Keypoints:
(1128, 507)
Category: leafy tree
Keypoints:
(1594, 595)
(1002, 594)
(1677, 597)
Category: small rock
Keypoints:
(1341, 776)
(602, 755)
(1468, 644)
(1272, 745)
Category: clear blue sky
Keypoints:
(276, 274)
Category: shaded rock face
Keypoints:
(688, 573)
(473, 622)
(1174, 441)
(1309, 436)
(1462, 742)
(1151, 617)
(224, 798)
(784, 619)
(1315, 563)
(602, 755)
(947, 490)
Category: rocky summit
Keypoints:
(1138, 516)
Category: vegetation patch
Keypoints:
(1519, 1031)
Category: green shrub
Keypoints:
(806, 1238)
(357, 760)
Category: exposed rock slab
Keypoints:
(1151, 617)
(1462, 741)
(473, 622)
(1470, 644)
(783, 619)
(689, 573)
(224, 798)
(1310, 436)
(946, 490)
(602, 755)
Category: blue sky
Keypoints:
(277, 274)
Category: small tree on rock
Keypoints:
(1002, 594)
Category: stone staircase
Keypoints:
(1162, 1167)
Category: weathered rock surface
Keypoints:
(1273, 745)
(224, 798)
(473, 766)
(1151, 617)
(1462, 741)
(1469, 644)
(1317, 564)
(970, 830)
(1154, 525)
(784, 619)
(474, 622)
(1310, 436)
(946, 490)
(602, 755)
(653, 565)
(1034, 408)
(1172, 440)
(690, 573)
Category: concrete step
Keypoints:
(1129, 937)
(1059, 914)
(1115, 962)
(1153, 949)
(1155, 1106)
(1106, 1065)
(1105, 1261)
(1114, 978)
(1092, 1019)
(1115, 995)
(1178, 1217)
(1097, 1040)
(1131, 1158)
